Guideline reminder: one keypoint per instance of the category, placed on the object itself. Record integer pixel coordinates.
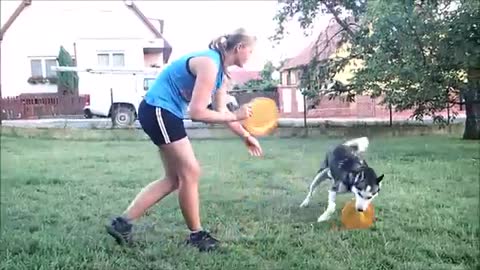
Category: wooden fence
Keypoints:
(34, 106)
(292, 106)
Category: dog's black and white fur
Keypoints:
(349, 171)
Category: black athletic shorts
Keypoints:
(162, 126)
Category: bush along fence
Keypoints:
(35, 106)
(244, 96)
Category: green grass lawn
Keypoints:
(58, 194)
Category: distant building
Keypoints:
(95, 33)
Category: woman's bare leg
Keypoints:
(120, 227)
(187, 172)
(153, 192)
(188, 175)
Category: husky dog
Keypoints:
(349, 172)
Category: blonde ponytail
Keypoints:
(220, 44)
(226, 43)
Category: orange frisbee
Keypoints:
(264, 117)
(352, 219)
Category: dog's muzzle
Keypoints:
(361, 205)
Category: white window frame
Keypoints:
(43, 60)
(110, 58)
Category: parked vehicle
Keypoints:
(114, 93)
(117, 93)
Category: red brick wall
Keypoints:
(363, 107)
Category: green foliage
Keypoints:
(416, 54)
(267, 71)
(266, 83)
(261, 84)
(67, 81)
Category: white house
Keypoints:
(95, 33)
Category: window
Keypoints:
(118, 60)
(41, 67)
(36, 65)
(111, 59)
(285, 78)
(103, 59)
(147, 83)
(293, 77)
(49, 63)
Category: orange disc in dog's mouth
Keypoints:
(352, 219)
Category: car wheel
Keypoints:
(123, 116)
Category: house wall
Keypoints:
(44, 26)
(87, 54)
(153, 59)
(348, 72)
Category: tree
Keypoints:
(67, 81)
(267, 71)
(416, 54)
(266, 82)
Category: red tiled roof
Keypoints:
(325, 45)
(242, 76)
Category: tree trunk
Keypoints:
(472, 106)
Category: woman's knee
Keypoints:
(172, 179)
(190, 173)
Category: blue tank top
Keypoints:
(172, 89)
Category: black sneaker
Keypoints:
(203, 241)
(121, 230)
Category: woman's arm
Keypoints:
(205, 71)
(220, 105)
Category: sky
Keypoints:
(191, 25)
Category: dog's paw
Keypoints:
(323, 218)
(326, 215)
(304, 203)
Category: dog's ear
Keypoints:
(380, 178)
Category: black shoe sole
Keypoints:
(203, 249)
(116, 235)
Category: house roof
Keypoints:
(327, 42)
(243, 76)
(13, 17)
(130, 4)
(168, 48)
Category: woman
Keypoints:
(190, 80)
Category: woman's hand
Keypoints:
(244, 112)
(253, 146)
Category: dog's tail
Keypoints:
(360, 145)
